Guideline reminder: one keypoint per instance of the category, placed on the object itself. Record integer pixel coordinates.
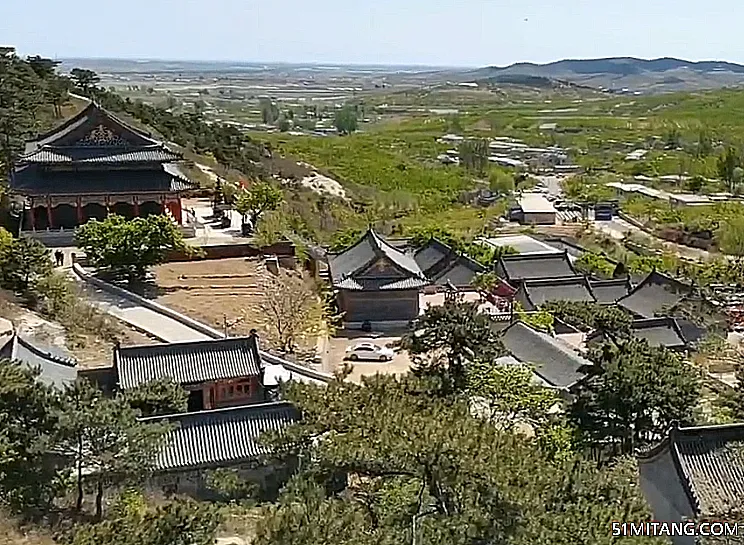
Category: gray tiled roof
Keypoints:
(664, 332)
(32, 180)
(347, 267)
(442, 265)
(655, 294)
(701, 468)
(187, 363)
(534, 266)
(149, 154)
(88, 119)
(543, 290)
(690, 331)
(555, 362)
(609, 292)
(57, 367)
(221, 437)
(659, 332)
(460, 273)
(432, 254)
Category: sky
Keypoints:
(426, 32)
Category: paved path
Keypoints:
(142, 318)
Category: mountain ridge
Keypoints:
(632, 73)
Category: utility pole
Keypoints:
(228, 324)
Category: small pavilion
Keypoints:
(92, 165)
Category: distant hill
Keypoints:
(623, 73)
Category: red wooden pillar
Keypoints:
(175, 208)
(135, 201)
(80, 210)
(50, 216)
(162, 204)
(108, 205)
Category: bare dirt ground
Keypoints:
(218, 290)
(96, 352)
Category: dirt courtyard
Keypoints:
(218, 290)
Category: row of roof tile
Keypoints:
(83, 156)
(57, 367)
(220, 437)
(535, 293)
(698, 471)
(188, 363)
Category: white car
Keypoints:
(369, 352)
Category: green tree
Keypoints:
(474, 155)
(695, 184)
(595, 264)
(420, 235)
(284, 124)
(28, 416)
(500, 182)
(158, 397)
(424, 469)
(132, 522)
(508, 395)
(56, 87)
(586, 316)
(486, 282)
(704, 144)
(730, 236)
(540, 319)
(23, 263)
(269, 111)
(106, 442)
(85, 80)
(736, 180)
(644, 264)
(43, 67)
(345, 120)
(21, 97)
(637, 394)
(727, 164)
(344, 239)
(127, 248)
(260, 198)
(672, 138)
(444, 339)
(230, 484)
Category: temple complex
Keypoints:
(93, 165)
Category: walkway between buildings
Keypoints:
(144, 319)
